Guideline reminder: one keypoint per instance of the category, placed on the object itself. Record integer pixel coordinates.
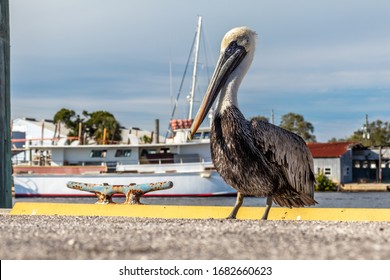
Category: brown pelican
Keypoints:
(255, 157)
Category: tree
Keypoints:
(334, 140)
(93, 124)
(146, 139)
(378, 131)
(70, 119)
(100, 120)
(323, 184)
(297, 124)
(260, 118)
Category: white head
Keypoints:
(237, 51)
(244, 37)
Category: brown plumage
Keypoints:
(254, 157)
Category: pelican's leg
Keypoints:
(239, 201)
(267, 207)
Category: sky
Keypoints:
(326, 60)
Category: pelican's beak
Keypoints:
(227, 63)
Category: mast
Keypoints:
(191, 98)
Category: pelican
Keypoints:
(255, 157)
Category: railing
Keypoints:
(167, 165)
(38, 162)
(162, 161)
(29, 140)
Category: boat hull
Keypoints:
(207, 183)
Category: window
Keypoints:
(165, 151)
(146, 152)
(206, 135)
(356, 164)
(123, 153)
(197, 135)
(327, 171)
(98, 153)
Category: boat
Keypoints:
(187, 164)
(52, 164)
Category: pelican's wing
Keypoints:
(288, 152)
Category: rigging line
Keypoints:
(181, 84)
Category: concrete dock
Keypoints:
(107, 237)
(365, 187)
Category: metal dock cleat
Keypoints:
(133, 191)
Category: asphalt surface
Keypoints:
(73, 237)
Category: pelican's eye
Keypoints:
(231, 49)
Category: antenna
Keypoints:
(366, 130)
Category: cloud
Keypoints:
(323, 59)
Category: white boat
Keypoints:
(186, 163)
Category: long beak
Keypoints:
(227, 63)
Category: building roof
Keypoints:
(330, 150)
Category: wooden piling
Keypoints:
(5, 109)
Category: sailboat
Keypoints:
(186, 163)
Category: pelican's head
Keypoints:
(237, 50)
(243, 36)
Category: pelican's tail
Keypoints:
(299, 200)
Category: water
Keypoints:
(324, 199)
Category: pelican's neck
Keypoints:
(228, 96)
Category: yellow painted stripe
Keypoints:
(200, 212)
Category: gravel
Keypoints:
(75, 237)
